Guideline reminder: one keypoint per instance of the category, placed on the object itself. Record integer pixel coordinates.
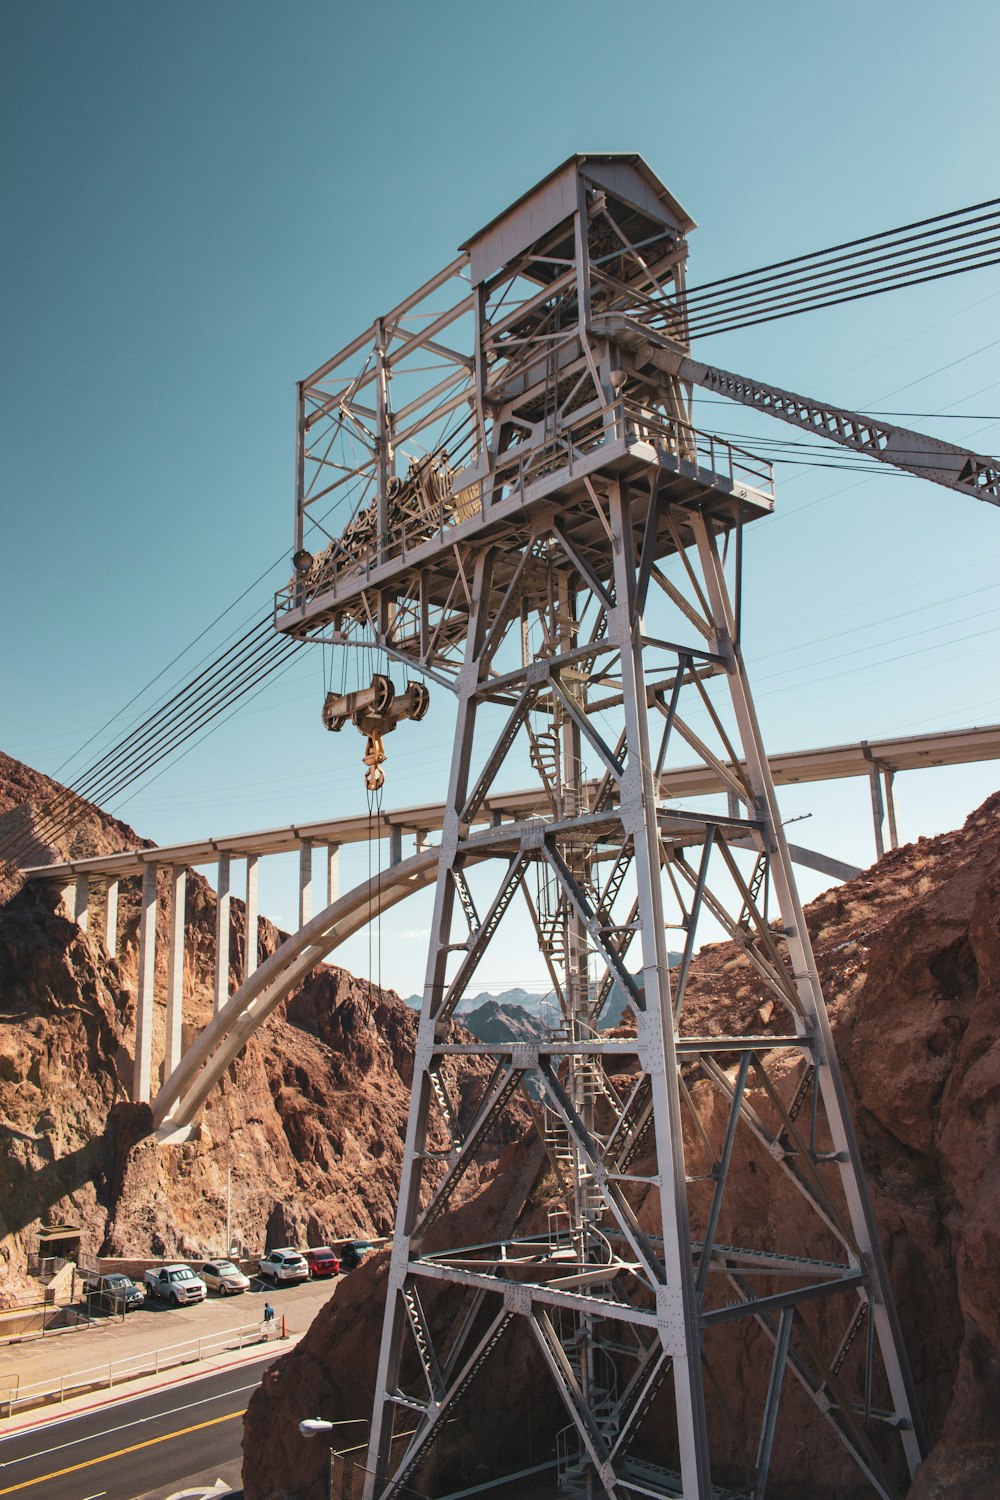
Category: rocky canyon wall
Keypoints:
(310, 1118)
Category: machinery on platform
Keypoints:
(693, 1275)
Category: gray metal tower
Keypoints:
(501, 489)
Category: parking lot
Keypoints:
(157, 1325)
(217, 1312)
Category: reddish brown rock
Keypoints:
(310, 1118)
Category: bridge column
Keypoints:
(888, 778)
(250, 939)
(175, 971)
(81, 902)
(305, 881)
(878, 809)
(222, 933)
(143, 1065)
(111, 917)
(395, 843)
(332, 873)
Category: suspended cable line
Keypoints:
(930, 249)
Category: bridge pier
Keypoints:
(175, 970)
(222, 932)
(252, 912)
(332, 873)
(305, 881)
(143, 1065)
(111, 917)
(75, 896)
(81, 902)
(890, 806)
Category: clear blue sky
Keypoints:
(203, 200)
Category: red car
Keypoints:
(322, 1261)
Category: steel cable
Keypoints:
(90, 781)
(257, 656)
(768, 311)
(769, 293)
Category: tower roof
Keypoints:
(554, 197)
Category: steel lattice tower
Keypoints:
(536, 525)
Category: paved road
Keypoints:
(127, 1449)
(156, 1326)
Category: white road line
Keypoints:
(124, 1427)
(212, 1372)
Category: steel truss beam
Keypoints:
(558, 559)
(575, 1286)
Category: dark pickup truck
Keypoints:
(114, 1293)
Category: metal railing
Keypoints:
(14, 1395)
(515, 471)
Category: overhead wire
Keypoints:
(756, 293)
(831, 274)
(848, 244)
(767, 293)
(173, 661)
(257, 654)
(754, 314)
(223, 718)
(90, 778)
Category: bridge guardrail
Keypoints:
(14, 1395)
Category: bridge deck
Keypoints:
(828, 763)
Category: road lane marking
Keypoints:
(171, 1411)
(212, 1370)
(104, 1458)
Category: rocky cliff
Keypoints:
(909, 955)
(310, 1119)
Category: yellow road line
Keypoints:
(119, 1452)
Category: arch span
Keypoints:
(228, 1032)
(184, 1092)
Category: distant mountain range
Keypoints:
(517, 1015)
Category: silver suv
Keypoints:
(284, 1265)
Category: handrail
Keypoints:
(513, 470)
(41, 1392)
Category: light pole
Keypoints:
(318, 1427)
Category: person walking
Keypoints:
(267, 1325)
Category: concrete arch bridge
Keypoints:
(189, 1076)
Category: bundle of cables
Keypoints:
(948, 244)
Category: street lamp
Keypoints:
(312, 1426)
(318, 1427)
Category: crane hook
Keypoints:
(373, 757)
(376, 711)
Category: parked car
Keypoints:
(113, 1293)
(177, 1284)
(284, 1265)
(352, 1253)
(323, 1261)
(223, 1277)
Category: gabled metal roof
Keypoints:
(581, 160)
